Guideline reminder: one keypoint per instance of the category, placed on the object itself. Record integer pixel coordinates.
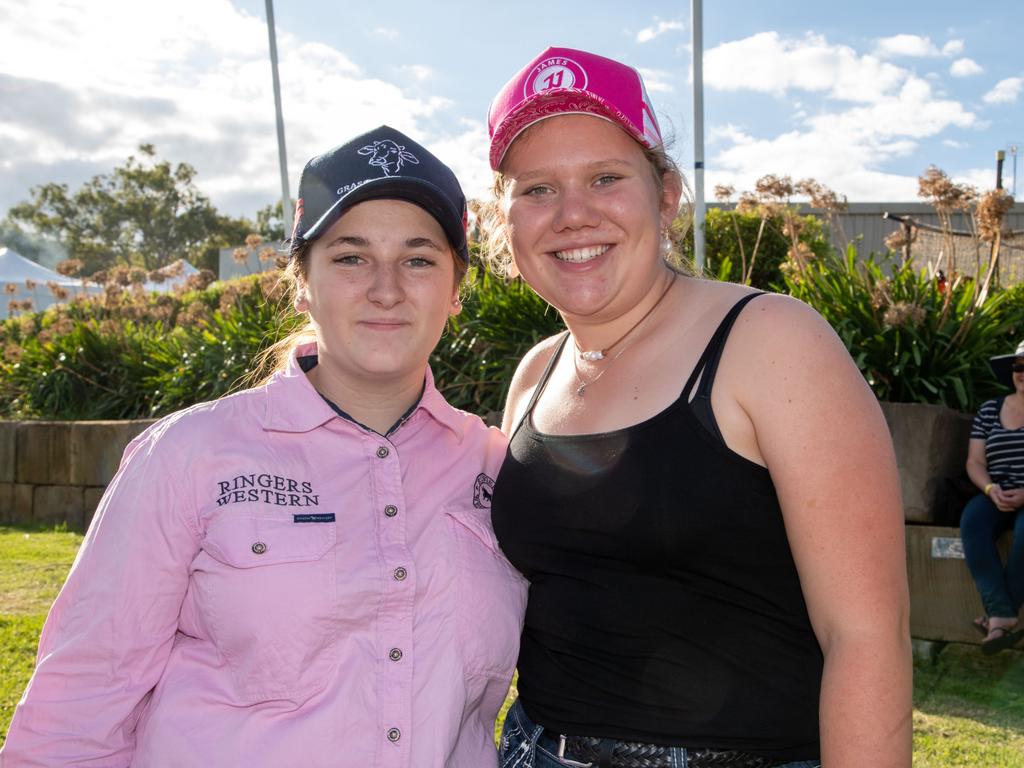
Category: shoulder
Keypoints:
(785, 329)
(527, 375)
(175, 437)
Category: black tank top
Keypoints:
(664, 602)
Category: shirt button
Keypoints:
(400, 574)
(382, 452)
(395, 654)
(390, 510)
(394, 735)
(258, 548)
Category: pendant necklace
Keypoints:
(592, 356)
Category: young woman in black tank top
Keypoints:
(700, 486)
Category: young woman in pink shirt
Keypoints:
(303, 573)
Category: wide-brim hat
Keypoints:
(1002, 365)
(380, 164)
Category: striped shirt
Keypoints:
(1004, 448)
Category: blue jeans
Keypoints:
(524, 744)
(1001, 587)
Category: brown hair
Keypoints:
(496, 250)
(294, 270)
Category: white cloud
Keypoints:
(656, 80)
(914, 46)
(953, 47)
(201, 95)
(418, 72)
(1005, 91)
(388, 33)
(965, 68)
(890, 112)
(647, 34)
(954, 144)
(768, 63)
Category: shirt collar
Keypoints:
(294, 405)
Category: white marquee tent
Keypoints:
(20, 272)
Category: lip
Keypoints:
(384, 324)
(580, 254)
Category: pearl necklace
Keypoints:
(592, 356)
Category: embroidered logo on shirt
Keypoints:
(483, 488)
(323, 517)
(269, 489)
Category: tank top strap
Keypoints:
(708, 362)
(541, 383)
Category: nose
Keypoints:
(385, 289)
(575, 210)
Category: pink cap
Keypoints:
(563, 81)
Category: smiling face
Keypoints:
(1018, 376)
(379, 286)
(585, 215)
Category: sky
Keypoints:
(863, 97)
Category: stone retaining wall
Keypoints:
(55, 472)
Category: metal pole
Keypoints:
(282, 154)
(698, 132)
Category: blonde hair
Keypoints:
(496, 250)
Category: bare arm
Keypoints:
(820, 432)
(977, 470)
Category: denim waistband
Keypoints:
(525, 744)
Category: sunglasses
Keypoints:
(1017, 367)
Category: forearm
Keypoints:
(866, 707)
(978, 472)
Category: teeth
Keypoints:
(582, 254)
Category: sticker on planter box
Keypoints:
(947, 548)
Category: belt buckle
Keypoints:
(568, 761)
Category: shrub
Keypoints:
(914, 338)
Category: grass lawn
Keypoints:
(968, 708)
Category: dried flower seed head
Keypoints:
(992, 210)
(897, 240)
(156, 276)
(60, 292)
(267, 254)
(772, 187)
(70, 267)
(820, 196)
(942, 193)
(903, 313)
(748, 203)
(253, 241)
(30, 284)
(26, 305)
(724, 192)
(240, 255)
(176, 269)
(10, 289)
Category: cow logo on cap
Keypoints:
(554, 73)
(388, 155)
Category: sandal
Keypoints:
(1007, 638)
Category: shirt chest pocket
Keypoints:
(490, 595)
(269, 590)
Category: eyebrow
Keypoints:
(362, 242)
(595, 165)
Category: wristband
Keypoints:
(988, 488)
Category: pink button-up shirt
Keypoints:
(269, 584)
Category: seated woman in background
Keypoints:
(995, 463)
(303, 573)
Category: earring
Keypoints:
(666, 244)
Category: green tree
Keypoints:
(146, 213)
(270, 222)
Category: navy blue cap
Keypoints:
(382, 163)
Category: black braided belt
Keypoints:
(604, 753)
